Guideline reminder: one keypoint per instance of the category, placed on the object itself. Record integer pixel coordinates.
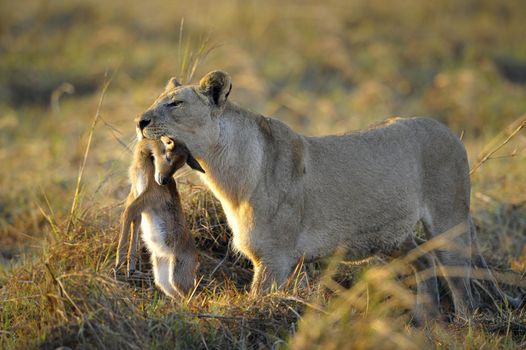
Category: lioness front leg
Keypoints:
(267, 274)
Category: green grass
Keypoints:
(321, 68)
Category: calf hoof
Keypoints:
(422, 318)
(130, 273)
(118, 274)
(518, 302)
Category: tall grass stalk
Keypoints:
(512, 130)
(76, 196)
(191, 57)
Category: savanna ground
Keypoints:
(322, 68)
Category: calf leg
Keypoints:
(134, 246)
(161, 274)
(183, 272)
(131, 214)
(124, 237)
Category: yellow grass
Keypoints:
(322, 67)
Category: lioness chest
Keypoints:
(240, 217)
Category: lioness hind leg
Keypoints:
(427, 297)
(455, 266)
(457, 273)
(479, 263)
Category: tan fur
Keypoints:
(288, 196)
(157, 210)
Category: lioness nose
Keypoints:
(143, 122)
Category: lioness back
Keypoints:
(370, 185)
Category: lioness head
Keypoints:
(188, 113)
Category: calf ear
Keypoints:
(216, 86)
(172, 84)
(168, 143)
(192, 163)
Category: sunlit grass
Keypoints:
(322, 68)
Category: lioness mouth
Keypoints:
(148, 134)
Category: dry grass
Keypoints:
(322, 68)
(66, 296)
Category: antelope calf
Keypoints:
(154, 205)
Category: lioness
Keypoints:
(288, 196)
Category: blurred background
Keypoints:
(323, 67)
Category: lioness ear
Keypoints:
(216, 85)
(172, 84)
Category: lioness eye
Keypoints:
(173, 104)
